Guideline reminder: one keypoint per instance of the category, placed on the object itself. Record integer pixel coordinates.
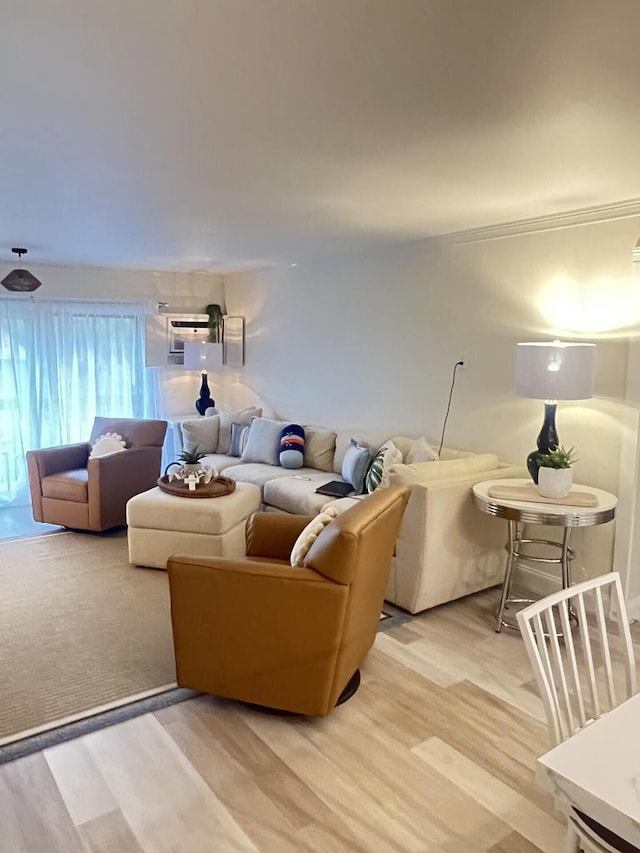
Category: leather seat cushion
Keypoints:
(67, 486)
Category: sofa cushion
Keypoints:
(420, 451)
(447, 453)
(292, 446)
(425, 472)
(296, 494)
(354, 465)
(258, 473)
(373, 439)
(341, 504)
(404, 442)
(158, 511)
(219, 461)
(200, 433)
(319, 448)
(244, 416)
(263, 441)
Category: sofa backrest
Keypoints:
(137, 432)
(373, 438)
(425, 472)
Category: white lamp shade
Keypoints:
(202, 356)
(554, 370)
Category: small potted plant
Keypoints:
(189, 462)
(191, 459)
(555, 474)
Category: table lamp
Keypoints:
(552, 371)
(203, 356)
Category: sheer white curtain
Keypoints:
(61, 364)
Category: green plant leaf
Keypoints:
(560, 457)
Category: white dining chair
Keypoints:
(579, 644)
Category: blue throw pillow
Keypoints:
(239, 433)
(355, 464)
(292, 446)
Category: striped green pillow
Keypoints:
(388, 455)
(373, 477)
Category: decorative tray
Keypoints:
(530, 493)
(216, 488)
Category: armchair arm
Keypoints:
(115, 478)
(256, 631)
(273, 534)
(51, 460)
(446, 547)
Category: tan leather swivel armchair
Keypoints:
(70, 489)
(258, 630)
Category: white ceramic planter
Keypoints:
(555, 482)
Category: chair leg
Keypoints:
(350, 689)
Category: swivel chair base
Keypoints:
(350, 688)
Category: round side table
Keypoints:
(520, 512)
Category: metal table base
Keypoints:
(515, 554)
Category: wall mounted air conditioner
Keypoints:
(166, 335)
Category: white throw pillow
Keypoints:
(108, 443)
(309, 535)
(200, 434)
(263, 441)
(420, 451)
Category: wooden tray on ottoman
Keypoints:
(216, 488)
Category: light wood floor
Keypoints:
(435, 752)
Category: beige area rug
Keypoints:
(80, 630)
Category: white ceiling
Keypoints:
(219, 134)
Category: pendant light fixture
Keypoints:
(21, 281)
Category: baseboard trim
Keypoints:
(539, 584)
(633, 609)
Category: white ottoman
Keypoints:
(161, 524)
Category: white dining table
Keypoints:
(597, 770)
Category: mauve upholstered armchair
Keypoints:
(259, 630)
(70, 489)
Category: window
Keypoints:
(61, 364)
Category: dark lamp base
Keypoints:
(205, 401)
(547, 440)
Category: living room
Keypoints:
(372, 230)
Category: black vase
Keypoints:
(547, 440)
(205, 401)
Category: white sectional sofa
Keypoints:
(446, 547)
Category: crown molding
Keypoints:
(569, 219)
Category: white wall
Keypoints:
(372, 340)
